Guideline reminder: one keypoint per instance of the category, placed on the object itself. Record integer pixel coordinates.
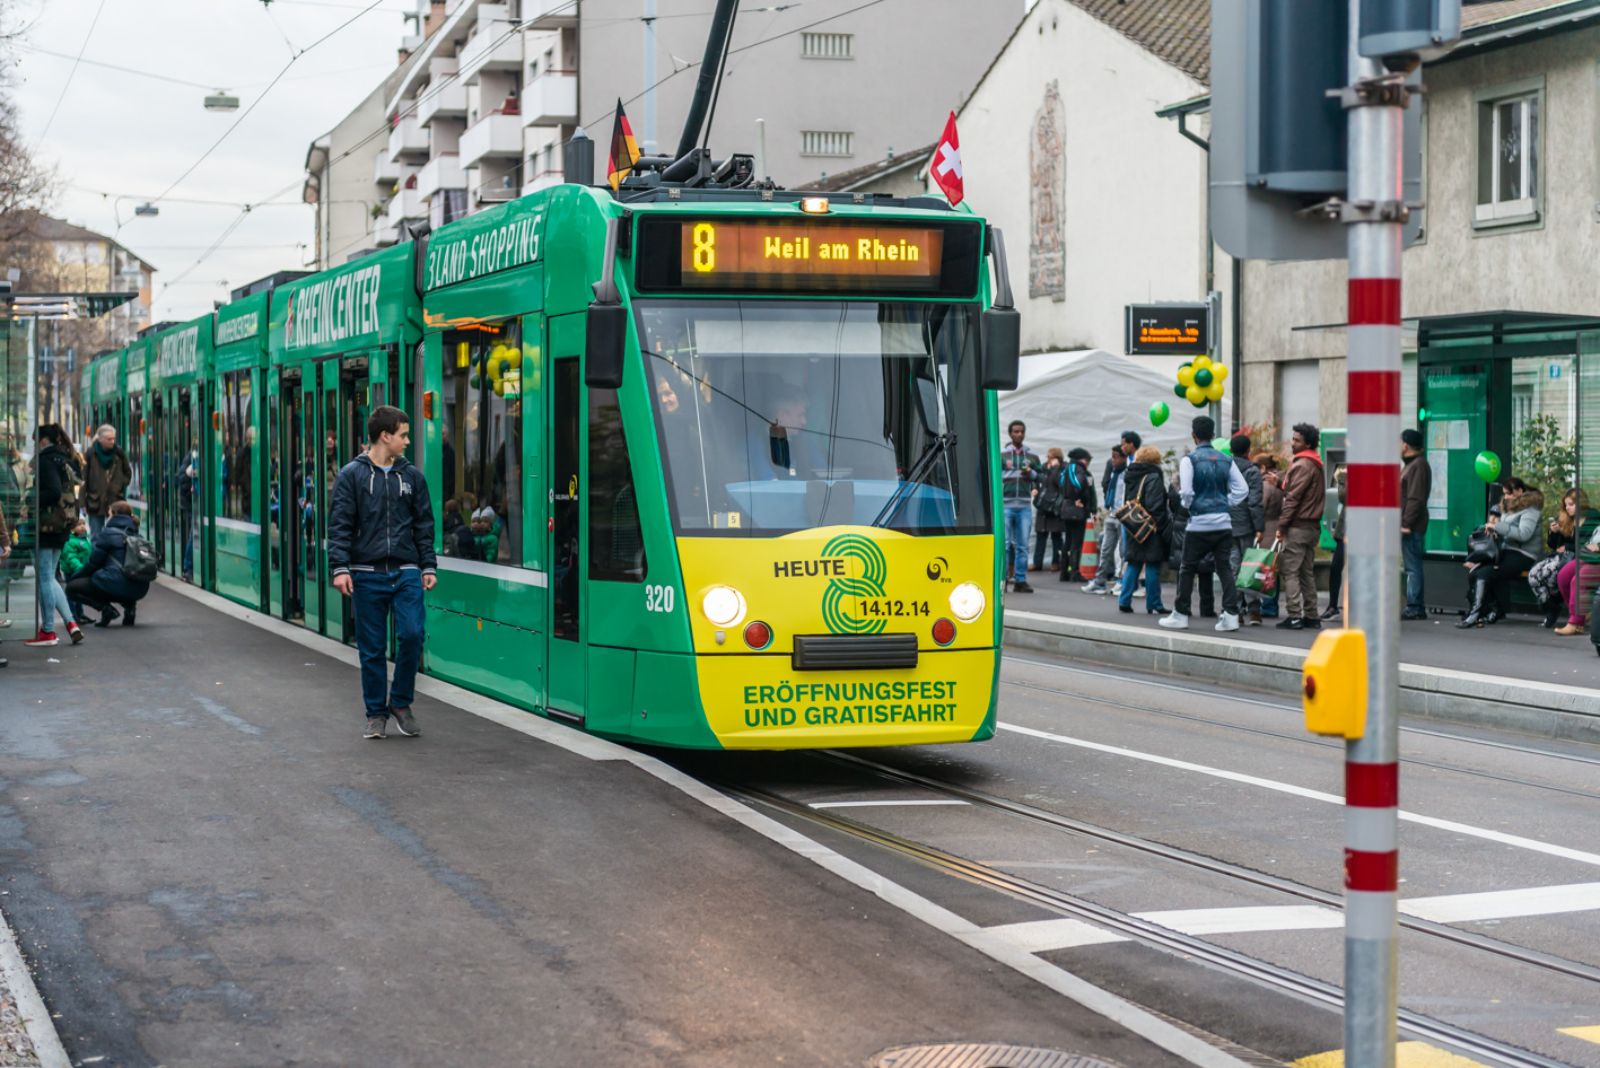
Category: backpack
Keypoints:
(140, 560)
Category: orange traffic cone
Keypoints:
(1090, 565)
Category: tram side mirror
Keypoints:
(1001, 337)
(605, 342)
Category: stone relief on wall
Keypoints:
(1047, 253)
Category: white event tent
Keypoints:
(1089, 397)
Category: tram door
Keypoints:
(288, 499)
(566, 666)
(157, 460)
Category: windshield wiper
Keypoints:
(936, 450)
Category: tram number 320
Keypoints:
(660, 598)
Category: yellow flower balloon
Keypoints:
(1214, 391)
(1186, 376)
(1202, 361)
(1196, 396)
(1219, 372)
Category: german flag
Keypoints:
(624, 149)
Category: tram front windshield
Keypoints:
(778, 416)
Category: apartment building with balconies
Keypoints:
(496, 88)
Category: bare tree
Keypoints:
(25, 186)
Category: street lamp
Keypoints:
(222, 100)
(147, 208)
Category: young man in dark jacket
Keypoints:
(380, 545)
(1416, 485)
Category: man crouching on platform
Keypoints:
(380, 546)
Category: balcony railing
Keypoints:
(385, 170)
(441, 172)
(407, 139)
(551, 99)
(550, 14)
(444, 98)
(496, 45)
(492, 136)
(406, 204)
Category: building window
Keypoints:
(482, 445)
(825, 142)
(1509, 144)
(827, 45)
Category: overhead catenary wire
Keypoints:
(257, 101)
(73, 72)
(517, 27)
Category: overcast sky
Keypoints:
(130, 136)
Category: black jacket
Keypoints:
(380, 520)
(104, 566)
(55, 472)
(1146, 481)
(1249, 515)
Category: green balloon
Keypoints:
(1487, 464)
(1223, 445)
(1180, 390)
(1159, 412)
(1202, 377)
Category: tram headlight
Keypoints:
(723, 605)
(967, 602)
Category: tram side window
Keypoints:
(482, 443)
(238, 435)
(616, 543)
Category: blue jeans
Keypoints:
(1019, 531)
(376, 596)
(1152, 585)
(1411, 554)
(52, 598)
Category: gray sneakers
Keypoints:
(405, 722)
(375, 725)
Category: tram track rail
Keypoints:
(1227, 869)
(1458, 1039)
(1301, 739)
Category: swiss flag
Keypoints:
(946, 166)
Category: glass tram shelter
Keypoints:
(35, 386)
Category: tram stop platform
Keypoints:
(1514, 675)
(204, 864)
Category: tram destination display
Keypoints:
(823, 256)
(1168, 329)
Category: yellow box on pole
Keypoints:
(1334, 684)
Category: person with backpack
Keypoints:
(119, 571)
(1210, 487)
(55, 510)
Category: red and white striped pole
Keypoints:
(1375, 215)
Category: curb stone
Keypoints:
(40, 1045)
(1570, 713)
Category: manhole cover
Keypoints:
(983, 1055)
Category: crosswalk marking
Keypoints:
(1039, 936)
(1588, 1034)
(1505, 904)
(1043, 935)
(1406, 1055)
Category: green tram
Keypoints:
(710, 468)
